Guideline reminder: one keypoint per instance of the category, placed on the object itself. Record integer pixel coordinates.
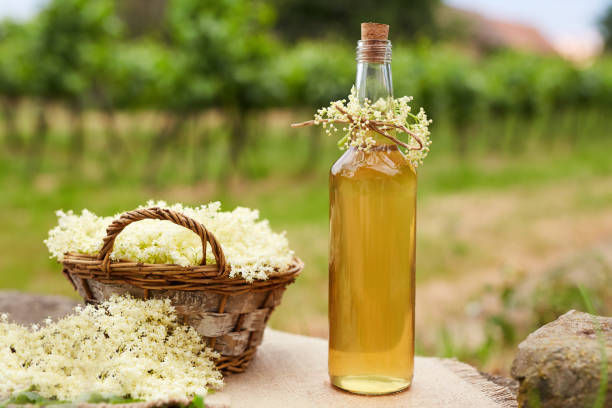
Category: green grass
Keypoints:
(291, 202)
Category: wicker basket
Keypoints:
(231, 314)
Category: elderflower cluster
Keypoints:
(355, 117)
(124, 347)
(250, 246)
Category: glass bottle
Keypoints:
(372, 251)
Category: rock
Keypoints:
(26, 308)
(560, 364)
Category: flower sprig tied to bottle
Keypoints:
(386, 115)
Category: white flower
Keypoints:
(125, 347)
(249, 244)
(397, 112)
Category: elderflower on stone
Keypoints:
(124, 347)
(250, 246)
(392, 112)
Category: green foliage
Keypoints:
(561, 293)
(72, 47)
(524, 303)
(448, 83)
(341, 18)
(222, 54)
(605, 25)
(227, 50)
(146, 74)
(16, 67)
(96, 398)
(313, 73)
(31, 397)
(197, 402)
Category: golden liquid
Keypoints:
(371, 271)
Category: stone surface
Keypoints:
(560, 364)
(27, 308)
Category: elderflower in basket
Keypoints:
(225, 271)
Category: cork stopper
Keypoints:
(374, 31)
(374, 45)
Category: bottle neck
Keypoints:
(373, 80)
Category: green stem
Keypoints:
(413, 116)
(342, 141)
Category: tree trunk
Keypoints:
(77, 137)
(238, 137)
(199, 157)
(11, 134)
(462, 135)
(170, 130)
(115, 146)
(114, 143)
(314, 150)
(38, 142)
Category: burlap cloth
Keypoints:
(291, 371)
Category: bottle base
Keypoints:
(370, 384)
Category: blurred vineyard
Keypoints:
(99, 110)
(223, 60)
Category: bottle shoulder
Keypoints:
(376, 163)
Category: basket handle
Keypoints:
(161, 214)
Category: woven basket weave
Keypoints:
(230, 313)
